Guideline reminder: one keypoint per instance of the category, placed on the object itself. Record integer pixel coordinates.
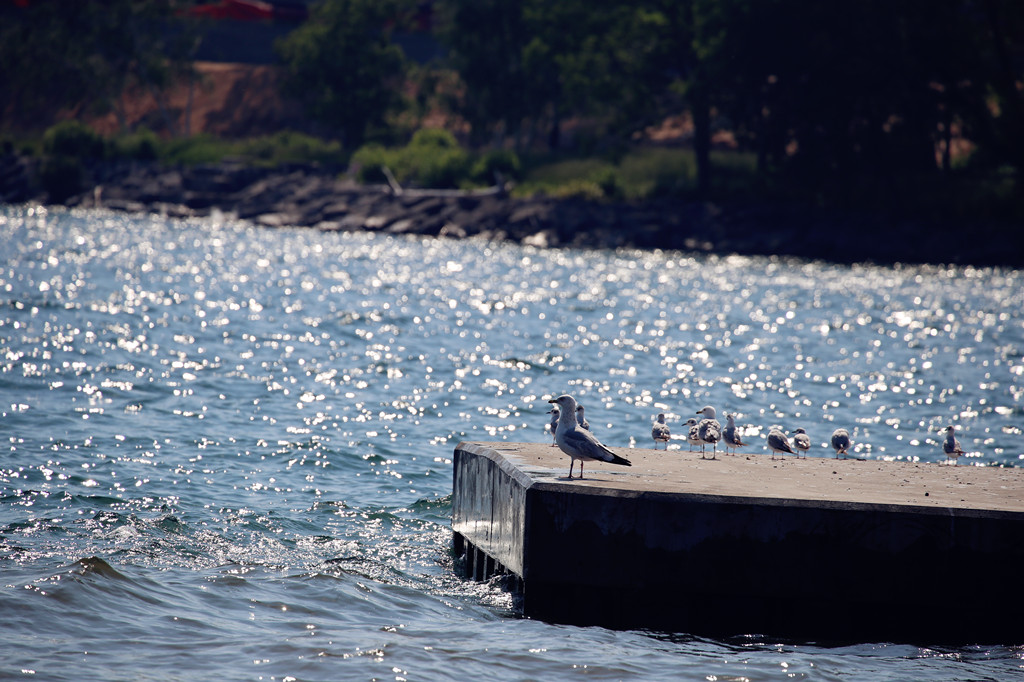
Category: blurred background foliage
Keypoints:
(913, 105)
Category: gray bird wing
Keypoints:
(777, 441)
(581, 444)
(710, 431)
(585, 445)
(730, 436)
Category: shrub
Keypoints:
(142, 145)
(368, 163)
(291, 147)
(578, 189)
(61, 177)
(607, 181)
(434, 138)
(651, 172)
(73, 139)
(433, 158)
(501, 161)
(430, 166)
(198, 149)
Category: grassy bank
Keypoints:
(433, 158)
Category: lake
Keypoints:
(227, 450)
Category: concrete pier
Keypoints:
(816, 549)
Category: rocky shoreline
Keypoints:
(309, 196)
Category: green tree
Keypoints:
(997, 41)
(840, 95)
(486, 40)
(538, 62)
(594, 59)
(343, 67)
(83, 54)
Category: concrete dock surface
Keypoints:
(813, 548)
(819, 479)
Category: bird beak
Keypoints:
(552, 401)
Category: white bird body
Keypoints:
(729, 435)
(951, 446)
(554, 425)
(580, 419)
(778, 442)
(660, 431)
(841, 442)
(692, 435)
(577, 442)
(802, 441)
(708, 430)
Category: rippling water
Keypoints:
(226, 451)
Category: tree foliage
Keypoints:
(67, 54)
(824, 95)
(344, 68)
(826, 92)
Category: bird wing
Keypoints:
(840, 442)
(730, 436)
(583, 445)
(777, 441)
(709, 430)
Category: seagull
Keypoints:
(729, 435)
(778, 443)
(841, 442)
(691, 435)
(951, 446)
(554, 424)
(708, 430)
(802, 441)
(660, 432)
(581, 419)
(576, 442)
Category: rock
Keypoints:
(277, 219)
(305, 195)
(453, 230)
(541, 240)
(403, 226)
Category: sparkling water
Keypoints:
(226, 451)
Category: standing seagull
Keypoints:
(778, 442)
(660, 432)
(841, 442)
(554, 425)
(691, 435)
(729, 435)
(708, 430)
(802, 441)
(577, 443)
(951, 446)
(580, 419)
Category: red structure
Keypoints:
(252, 10)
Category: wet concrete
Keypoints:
(815, 549)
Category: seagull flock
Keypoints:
(571, 433)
